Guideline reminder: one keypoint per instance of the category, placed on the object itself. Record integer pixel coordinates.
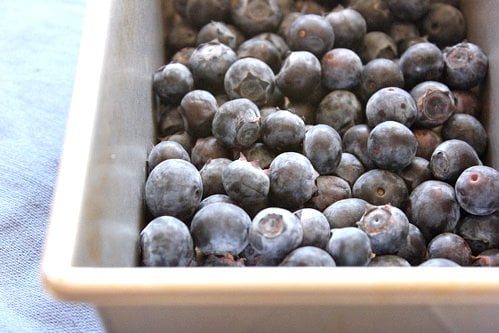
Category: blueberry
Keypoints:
(481, 232)
(450, 246)
(329, 190)
(433, 208)
(215, 198)
(221, 228)
(349, 246)
(262, 49)
(387, 228)
(206, 149)
(391, 103)
(292, 180)
(439, 262)
(299, 75)
(170, 120)
(181, 35)
(408, 10)
(311, 32)
(316, 229)
(435, 103)
(323, 147)
(256, 16)
(341, 69)
(219, 31)
(428, 140)
(209, 62)
(198, 107)
(488, 258)
(211, 175)
(345, 212)
(349, 27)
(166, 150)
(391, 145)
(350, 168)
(379, 73)
(260, 153)
(355, 142)
(466, 65)
(226, 260)
(274, 233)
(477, 190)
(388, 260)
(452, 157)
(340, 109)
(250, 78)
(171, 82)
(201, 12)
(308, 256)
(416, 172)
(282, 130)
(467, 128)
(182, 56)
(405, 34)
(468, 102)
(413, 249)
(377, 14)
(277, 42)
(237, 123)
(245, 182)
(422, 62)
(305, 110)
(166, 241)
(174, 187)
(380, 187)
(378, 44)
(182, 137)
(444, 25)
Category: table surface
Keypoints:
(39, 45)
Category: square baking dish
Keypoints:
(91, 253)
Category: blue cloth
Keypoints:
(39, 45)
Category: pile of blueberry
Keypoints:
(320, 133)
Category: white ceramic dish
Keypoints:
(91, 245)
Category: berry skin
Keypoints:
(387, 228)
(391, 103)
(433, 208)
(341, 69)
(274, 233)
(198, 107)
(465, 65)
(452, 157)
(391, 145)
(329, 190)
(379, 73)
(477, 190)
(467, 128)
(380, 187)
(435, 103)
(481, 232)
(349, 28)
(308, 256)
(166, 241)
(250, 78)
(350, 168)
(422, 62)
(171, 82)
(444, 25)
(413, 249)
(245, 182)
(211, 174)
(450, 246)
(282, 131)
(316, 230)
(292, 180)
(346, 212)
(165, 150)
(299, 75)
(311, 32)
(237, 123)
(221, 228)
(355, 142)
(439, 262)
(323, 147)
(255, 16)
(378, 44)
(349, 246)
(340, 109)
(388, 260)
(174, 187)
